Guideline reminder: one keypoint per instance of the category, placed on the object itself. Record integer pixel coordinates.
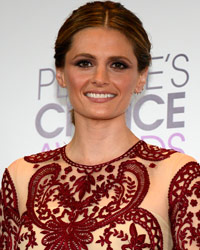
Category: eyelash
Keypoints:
(84, 64)
(119, 65)
(115, 65)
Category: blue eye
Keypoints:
(84, 64)
(119, 65)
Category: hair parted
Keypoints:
(106, 14)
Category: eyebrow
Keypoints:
(112, 58)
(84, 55)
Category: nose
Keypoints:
(100, 76)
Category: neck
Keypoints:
(97, 141)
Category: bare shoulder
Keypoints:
(18, 168)
(186, 170)
(168, 159)
(16, 165)
(23, 168)
(180, 160)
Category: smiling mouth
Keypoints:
(100, 95)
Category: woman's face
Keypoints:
(100, 73)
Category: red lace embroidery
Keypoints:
(151, 152)
(44, 156)
(184, 193)
(9, 214)
(68, 204)
(45, 186)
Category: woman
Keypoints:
(106, 189)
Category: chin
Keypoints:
(102, 116)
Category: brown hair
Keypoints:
(104, 14)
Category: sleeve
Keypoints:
(9, 214)
(184, 207)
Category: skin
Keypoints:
(100, 61)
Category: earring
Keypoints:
(63, 85)
(137, 91)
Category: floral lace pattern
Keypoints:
(73, 207)
(185, 191)
(9, 208)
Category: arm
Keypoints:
(9, 214)
(184, 207)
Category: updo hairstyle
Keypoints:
(106, 14)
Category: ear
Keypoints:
(60, 77)
(141, 81)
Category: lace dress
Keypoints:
(148, 198)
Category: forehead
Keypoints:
(101, 40)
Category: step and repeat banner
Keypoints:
(35, 111)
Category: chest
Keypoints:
(98, 207)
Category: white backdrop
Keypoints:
(34, 114)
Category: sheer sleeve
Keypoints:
(9, 214)
(184, 207)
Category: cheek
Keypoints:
(75, 79)
(127, 83)
(72, 81)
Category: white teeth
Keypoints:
(95, 95)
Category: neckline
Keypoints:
(100, 165)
